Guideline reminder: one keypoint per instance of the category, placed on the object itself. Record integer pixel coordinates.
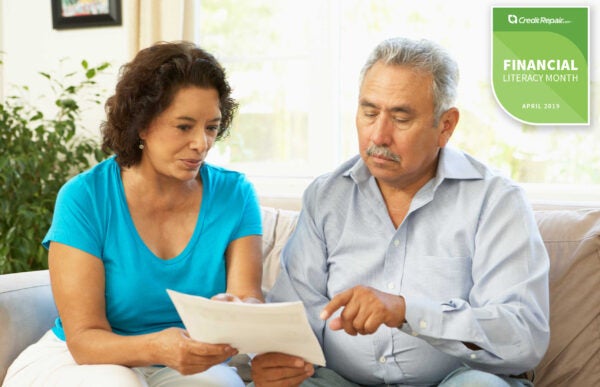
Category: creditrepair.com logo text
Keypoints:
(515, 19)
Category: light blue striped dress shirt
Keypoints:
(468, 259)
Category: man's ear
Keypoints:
(447, 124)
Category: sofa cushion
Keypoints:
(278, 225)
(572, 239)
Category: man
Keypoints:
(416, 263)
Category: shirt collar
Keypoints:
(358, 171)
(454, 164)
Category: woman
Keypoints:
(152, 217)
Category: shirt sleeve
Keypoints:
(303, 274)
(250, 222)
(506, 314)
(75, 221)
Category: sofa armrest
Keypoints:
(572, 239)
(27, 311)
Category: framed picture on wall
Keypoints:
(85, 13)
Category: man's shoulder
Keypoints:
(464, 166)
(337, 180)
(469, 180)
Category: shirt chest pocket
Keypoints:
(437, 277)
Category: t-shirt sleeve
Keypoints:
(75, 219)
(250, 222)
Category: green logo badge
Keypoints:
(540, 69)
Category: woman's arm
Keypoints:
(77, 280)
(244, 267)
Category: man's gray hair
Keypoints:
(422, 55)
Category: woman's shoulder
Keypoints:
(94, 177)
(220, 175)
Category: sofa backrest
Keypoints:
(572, 238)
(278, 225)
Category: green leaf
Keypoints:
(37, 156)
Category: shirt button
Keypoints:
(473, 356)
(415, 333)
(396, 242)
(382, 359)
(423, 324)
(390, 285)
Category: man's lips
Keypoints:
(381, 158)
(382, 153)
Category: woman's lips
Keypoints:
(191, 163)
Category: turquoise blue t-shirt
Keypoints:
(91, 214)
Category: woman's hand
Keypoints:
(227, 297)
(187, 356)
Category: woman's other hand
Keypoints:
(227, 297)
(179, 351)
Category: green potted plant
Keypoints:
(38, 154)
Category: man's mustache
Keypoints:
(382, 151)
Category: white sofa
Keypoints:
(571, 234)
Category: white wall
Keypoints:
(30, 45)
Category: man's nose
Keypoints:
(382, 130)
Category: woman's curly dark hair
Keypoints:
(147, 86)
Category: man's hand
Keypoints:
(278, 369)
(365, 309)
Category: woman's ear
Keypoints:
(142, 134)
(447, 125)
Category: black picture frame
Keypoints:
(83, 18)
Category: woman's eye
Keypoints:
(212, 128)
(184, 127)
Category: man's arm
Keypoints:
(503, 325)
(303, 277)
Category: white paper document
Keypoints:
(250, 328)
